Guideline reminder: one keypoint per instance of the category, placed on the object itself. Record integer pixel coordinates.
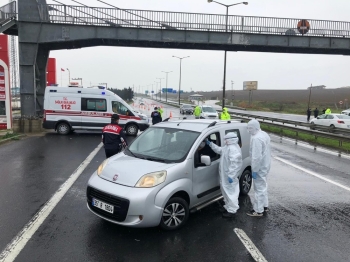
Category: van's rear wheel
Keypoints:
(132, 130)
(63, 128)
(175, 214)
(245, 182)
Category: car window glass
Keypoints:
(322, 117)
(343, 116)
(329, 117)
(208, 109)
(236, 131)
(93, 104)
(119, 108)
(171, 145)
(206, 150)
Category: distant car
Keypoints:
(186, 109)
(208, 112)
(142, 104)
(332, 121)
(346, 112)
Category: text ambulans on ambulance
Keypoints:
(68, 108)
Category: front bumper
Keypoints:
(133, 207)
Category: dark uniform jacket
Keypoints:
(112, 136)
(156, 117)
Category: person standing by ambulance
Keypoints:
(113, 137)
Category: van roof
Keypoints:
(74, 90)
(197, 125)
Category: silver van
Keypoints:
(162, 177)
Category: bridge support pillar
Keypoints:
(32, 57)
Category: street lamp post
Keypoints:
(180, 73)
(166, 91)
(160, 88)
(224, 81)
(68, 76)
(233, 94)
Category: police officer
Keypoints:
(113, 137)
(156, 116)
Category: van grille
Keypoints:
(121, 205)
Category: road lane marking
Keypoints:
(249, 245)
(312, 173)
(19, 242)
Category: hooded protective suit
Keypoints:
(225, 115)
(229, 169)
(261, 161)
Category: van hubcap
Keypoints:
(173, 215)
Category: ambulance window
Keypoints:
(119, 108)
(93, 104)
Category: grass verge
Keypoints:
(312, 139)
(8, 135)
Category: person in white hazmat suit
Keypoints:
(229, 170)
(260, 156)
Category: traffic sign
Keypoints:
(340, 102)
(303, 26)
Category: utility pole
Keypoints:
(166, 91)
(308, 104)
(160, 88)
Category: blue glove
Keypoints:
(207, 142)
(254, 175)
(230, 180)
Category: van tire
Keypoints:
(245, 182)
(181, 214)
(132, 130)
(63, 128)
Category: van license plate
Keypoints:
(102, 205)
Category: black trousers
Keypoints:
(111, 152)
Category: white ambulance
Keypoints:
(69, 108)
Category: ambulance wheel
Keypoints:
(132, 130)
(63, 128)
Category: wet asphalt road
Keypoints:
(309, 218)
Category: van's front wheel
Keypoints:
(63, 128)
(131, 130)
(245, 182)
(175, 214)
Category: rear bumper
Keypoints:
(49, 124)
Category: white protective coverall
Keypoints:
(260, 156)
(230, 166)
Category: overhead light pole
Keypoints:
(180, 74)
(166, 91)
(160, 88)
(68, 76)
(224, 81)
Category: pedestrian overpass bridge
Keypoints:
(43, 27)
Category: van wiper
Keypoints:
(155, 159)
(131, 152)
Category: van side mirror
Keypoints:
(206, 160)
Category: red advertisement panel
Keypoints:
(5, 94)
(51, 72)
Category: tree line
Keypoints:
(126, 93)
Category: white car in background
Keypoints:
(332, 121)
(346, 112)
(208, 112)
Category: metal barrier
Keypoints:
(117, 17)
(8, 12)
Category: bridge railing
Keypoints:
(8, 12)
(83, 15)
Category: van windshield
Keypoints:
(167, 145)
(208, 109)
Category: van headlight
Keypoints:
(101, 167)
(151, 179)
(143, 117)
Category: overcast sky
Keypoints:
(203, 71)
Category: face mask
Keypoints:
(251, 130)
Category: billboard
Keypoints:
(5, 94)
(250, 85)
(51, 72)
